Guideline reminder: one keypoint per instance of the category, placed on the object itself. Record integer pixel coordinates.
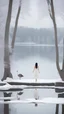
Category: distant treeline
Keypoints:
(42, 36)
(39, 36)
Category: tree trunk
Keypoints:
(55, 32)
(56, 46)
(63, 55)
(15, 29)
(6, 44)
(61, 72)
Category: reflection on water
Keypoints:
(19, 94)
(58, 105)
(6, 106)
(32, 94)
(36, 96)
(42, 51)
(29, 51)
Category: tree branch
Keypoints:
(15, 28)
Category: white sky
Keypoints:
(46, 22)
(39, 17)
(34, 13)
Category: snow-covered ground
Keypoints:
(31, 100)
(7, 86)
(7, 98)
(33, 80)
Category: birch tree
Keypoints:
(52, 15)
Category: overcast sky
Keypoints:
(34, 13)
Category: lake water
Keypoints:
(23, 61)
(37, 108)
(25, 57)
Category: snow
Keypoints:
(48, 100)
(8, 79)
(40, 81)
(33, 80)
(2, 82)
(5, 87)
(53, 100)
(8, 86)
(6, 98)
(31, 100)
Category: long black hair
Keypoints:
(36, 65)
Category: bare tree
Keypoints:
(63, 55)
(52, 15)
(15, 28)
(7, 70)
(6, 43)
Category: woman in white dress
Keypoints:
(36, 71)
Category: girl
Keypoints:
(36, 71)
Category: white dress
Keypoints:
(36, 73)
